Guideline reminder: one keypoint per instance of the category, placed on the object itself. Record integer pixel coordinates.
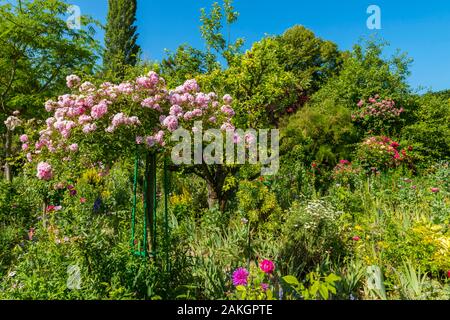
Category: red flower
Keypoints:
(83, 200)
(314, 165)
(395, 145)
(448, 274)
(356, 238)
(410, 148)
(344, 162)
(435, 190)
(51, 208)
(267, 266)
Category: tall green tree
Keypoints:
(38, 50)
(121, 48)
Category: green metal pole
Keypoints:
(154, 202)
(146, 203)
(133, 212)
(166, 214)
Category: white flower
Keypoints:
(12, 123)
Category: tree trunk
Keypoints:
(8, 142)
(150, 199)
(213, 197)
(216, 196)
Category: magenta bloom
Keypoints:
(264, 286)
(356, 238)
(44, 171)
(240, 277)
(267, 266)
(435, 190)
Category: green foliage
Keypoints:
(120, 38)
(212, 30)
(38, 51)
(311, 235)
(186, 63)
(430, 131)
(336, 231)
(259, 204)
(325, 133)
(317, 286)
(309, 58)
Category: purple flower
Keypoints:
(264, 286)
(240, 277)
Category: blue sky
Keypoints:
(420, 28)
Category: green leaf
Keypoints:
(314, 288)
(291, 280)
(323, 290)
(331, 278)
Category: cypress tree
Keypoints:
(121, 49)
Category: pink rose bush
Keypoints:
(380, 153)
(345, 173)
(117, 117)
(377, 115)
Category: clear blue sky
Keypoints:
(420, 28)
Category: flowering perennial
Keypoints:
(144, 108)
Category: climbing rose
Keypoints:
(44, 171)
(99, 110)
(240, 277)
(139, 140)
(267, 266)
(227, 99)
(23, 138)
(73, 81)
(171, 123)
(228, 110)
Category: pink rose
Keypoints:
(44, 171)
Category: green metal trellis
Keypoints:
(143, 247)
